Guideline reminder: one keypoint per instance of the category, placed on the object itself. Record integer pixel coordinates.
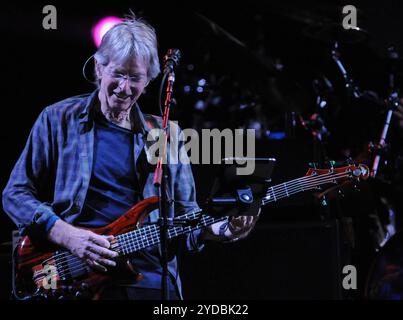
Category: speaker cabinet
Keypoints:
(278, 261)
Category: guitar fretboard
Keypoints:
(287, 189)
(150, 235)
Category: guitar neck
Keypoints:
(283, 190)
(150, 235)
(292, 187)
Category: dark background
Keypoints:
(298, 247)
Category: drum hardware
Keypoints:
(392, 102)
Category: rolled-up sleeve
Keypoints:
(30, 180)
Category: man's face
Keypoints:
(122, 83)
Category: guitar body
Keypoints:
(48, 271)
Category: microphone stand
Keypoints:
(161, 173)
(392, 103)
(381, 145)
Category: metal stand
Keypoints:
(171, 59)
(392, 103)
(349, 83)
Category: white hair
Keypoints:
(133, 38)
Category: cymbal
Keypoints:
(333, 32)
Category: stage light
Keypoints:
(102, 27)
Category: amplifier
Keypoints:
(279, 261)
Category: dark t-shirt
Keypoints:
(114, 189)
(113, 186)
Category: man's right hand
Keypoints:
(87, 245)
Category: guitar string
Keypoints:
(290, 191)
(76, 266)
(129, 246)
(120, 236)
(281, 191)
(307, 179)
(128, 240)
(81, 265)
(73, 266)
(154, 236)
(152, 233)
(290, 184)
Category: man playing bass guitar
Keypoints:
(85, 164)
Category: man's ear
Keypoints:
(145, 87)
(98, 69)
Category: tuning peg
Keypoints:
(332, 163)
(341, 193)
(323, 201)
(349, 161)
(313, 165)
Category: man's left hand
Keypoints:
(234, 229)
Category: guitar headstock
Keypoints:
(336, 177)
(349, 172)
(332, 178)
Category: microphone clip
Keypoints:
(171, 60)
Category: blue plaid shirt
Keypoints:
(52, 175)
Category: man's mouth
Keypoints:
(121, 96)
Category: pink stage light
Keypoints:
(102, 27)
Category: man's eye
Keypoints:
(134, 78)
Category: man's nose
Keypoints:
(125, 87)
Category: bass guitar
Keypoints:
(54, 272)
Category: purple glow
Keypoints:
(102, 27)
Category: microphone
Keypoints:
(171, 60)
